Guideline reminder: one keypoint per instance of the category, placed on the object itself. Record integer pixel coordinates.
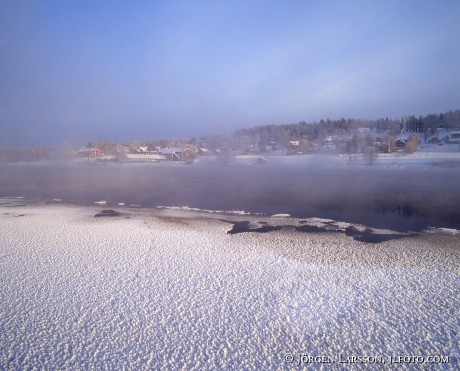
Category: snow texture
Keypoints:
(170, 290)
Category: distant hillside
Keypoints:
(332, 136)
(320, 130)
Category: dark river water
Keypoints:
(374, 196)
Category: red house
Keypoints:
(95, 152)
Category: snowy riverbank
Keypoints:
(170, 289)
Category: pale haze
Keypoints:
(79, 71)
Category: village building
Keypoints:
(454, 137)
(261, 161)
(143, 150)
(89, 152)
(293, 144)
(203, 151)
(95, 152)
(178, 154)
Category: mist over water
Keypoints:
(314, 187)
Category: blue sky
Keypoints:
(140, 70)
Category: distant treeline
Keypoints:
(324, 128)
(279, 136)
(309, 134)
(262, 137)
(431, 122)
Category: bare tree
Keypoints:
(412, 144)
(390, 142)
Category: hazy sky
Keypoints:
(81, 70)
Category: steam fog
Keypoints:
(397, 199)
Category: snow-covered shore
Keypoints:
(171, 290)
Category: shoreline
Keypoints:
(238, 221)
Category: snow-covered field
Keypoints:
(171, 290)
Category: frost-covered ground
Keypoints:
(171, 290)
